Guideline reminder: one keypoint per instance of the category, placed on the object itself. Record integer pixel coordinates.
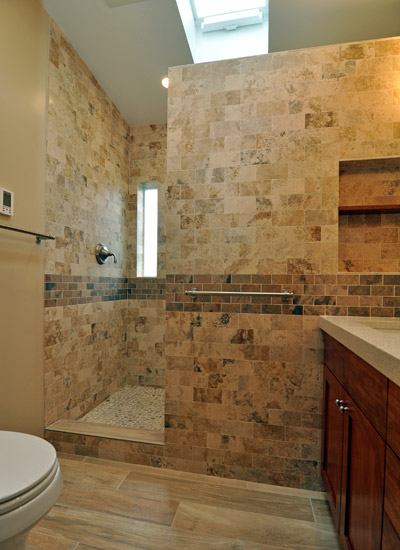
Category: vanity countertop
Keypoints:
(374, 339)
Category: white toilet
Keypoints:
(30, 484)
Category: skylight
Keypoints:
(215, 15)
(206, 23)
(208, 8)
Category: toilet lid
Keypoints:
(25, 460)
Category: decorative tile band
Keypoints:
(369, 295)
(66, 290)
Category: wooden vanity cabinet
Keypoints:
(393, 420)
(391, 511)
(332, 448)
(362, 481)
(353, 451)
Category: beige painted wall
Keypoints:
(295, 24)
(24, 32)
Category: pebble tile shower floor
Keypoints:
(138, 407)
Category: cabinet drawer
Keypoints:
(391, 517)
(393, 430)
(366, 386)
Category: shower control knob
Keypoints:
(102, 254)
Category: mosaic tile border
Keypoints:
(365, 295)
(67, 290)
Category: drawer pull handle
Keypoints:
(343, 409)
(339, 402)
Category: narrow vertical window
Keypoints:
(147, 229)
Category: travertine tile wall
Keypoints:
(369, 242)
(146, 333)
(146, 314)
(253, 152)
(252, 203)
(369, 185)
(253, 168)
(86, 200)
(243, 386)
(103, 326)
(148, 163)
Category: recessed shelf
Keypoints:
(370, 209)
(379, 162)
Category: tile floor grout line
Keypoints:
(51, 536)
(312, 509)
(208, 479)
(121, 482)
(179, 518)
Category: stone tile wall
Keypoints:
(252, 191)
(94, 162)
(369, 242)
(146, 341)
(253, 154)
(148, 163)
(86, 198)
(146, 332)
(254, 147)
(367, 295)
(87, 168)
(370, 185)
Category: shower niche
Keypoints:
(369, 215)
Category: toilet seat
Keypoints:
(30, 484)
(28, 465)
(24, 498)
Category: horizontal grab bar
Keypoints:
(39, 236)
(194, 293)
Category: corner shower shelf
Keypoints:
(348, 169)
(370, 209)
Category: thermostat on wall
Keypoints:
(6, 202)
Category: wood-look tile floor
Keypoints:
(118, 506)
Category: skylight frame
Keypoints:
(238, 13)
(262, 5)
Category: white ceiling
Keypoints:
(128, 48)
(129, 44)
(298, 24)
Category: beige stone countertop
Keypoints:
(374, 339)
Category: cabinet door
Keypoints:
(393, 431)
(362, 481)
(332, 447)
(391, 514)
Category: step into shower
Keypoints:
(133, 413)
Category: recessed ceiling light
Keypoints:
(165, 81)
